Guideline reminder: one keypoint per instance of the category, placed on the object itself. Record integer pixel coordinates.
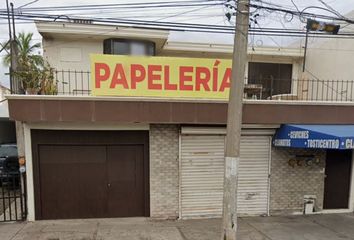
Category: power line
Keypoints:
(3, 47)
(206, 11)
(128, 5)
(210, 29)
(185, 27)
(39, 17)
(292, 1)
(206, 3)
(182, 13)
(27, 4)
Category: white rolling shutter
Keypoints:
(253, 179)
(202, 172)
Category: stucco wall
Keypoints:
(71, 54)
(329, 69)
(289, 184)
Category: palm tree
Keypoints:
(26, 50)
(33, 72)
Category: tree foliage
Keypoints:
(34, 73)
(27, 50)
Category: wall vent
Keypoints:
(82, 21)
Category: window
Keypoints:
(128, 47)
(275, 78)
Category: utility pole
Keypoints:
(15, 83)
(16, 88)
(234, 121)
(14, 52)
(10, 42)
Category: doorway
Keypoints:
(337, 179)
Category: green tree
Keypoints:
(27, 50)
(35, 74)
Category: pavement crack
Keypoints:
(17, 232)
(259, 231)
(181, 233)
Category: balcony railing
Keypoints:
(77, 83)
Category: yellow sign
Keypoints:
(165, 77)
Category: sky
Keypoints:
(202, 15)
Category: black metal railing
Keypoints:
(72, 82)
(13, 201)
(66, 82)
(300, 89)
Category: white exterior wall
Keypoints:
(331, 59)
(329, 69)
(71, 54)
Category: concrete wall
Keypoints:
(164, 171)
(290, 184)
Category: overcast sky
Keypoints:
(204, 15)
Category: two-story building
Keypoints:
(121, 154)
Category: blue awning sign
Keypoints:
(315, 136)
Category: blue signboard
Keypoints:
(315, 136)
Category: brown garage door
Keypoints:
(90, 174)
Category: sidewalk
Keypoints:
(315, 227)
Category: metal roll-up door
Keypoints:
(253, 178)
(202, 172)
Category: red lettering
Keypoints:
(137, 74)
(168, 85)
(119, 77)
(215, 75)
(153, 76)
(202, 78)
(183, 78)
(101, 77)
(215, 79)
(226, 80)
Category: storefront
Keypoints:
(176, 171)
(144, 136)
(202, 171)
(335, 143)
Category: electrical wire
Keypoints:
(292, 1)
(156, 4)
(182, 13)
(187, 27)
(210, 29)
(3, 47)
(170, 4)
(147, 22)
